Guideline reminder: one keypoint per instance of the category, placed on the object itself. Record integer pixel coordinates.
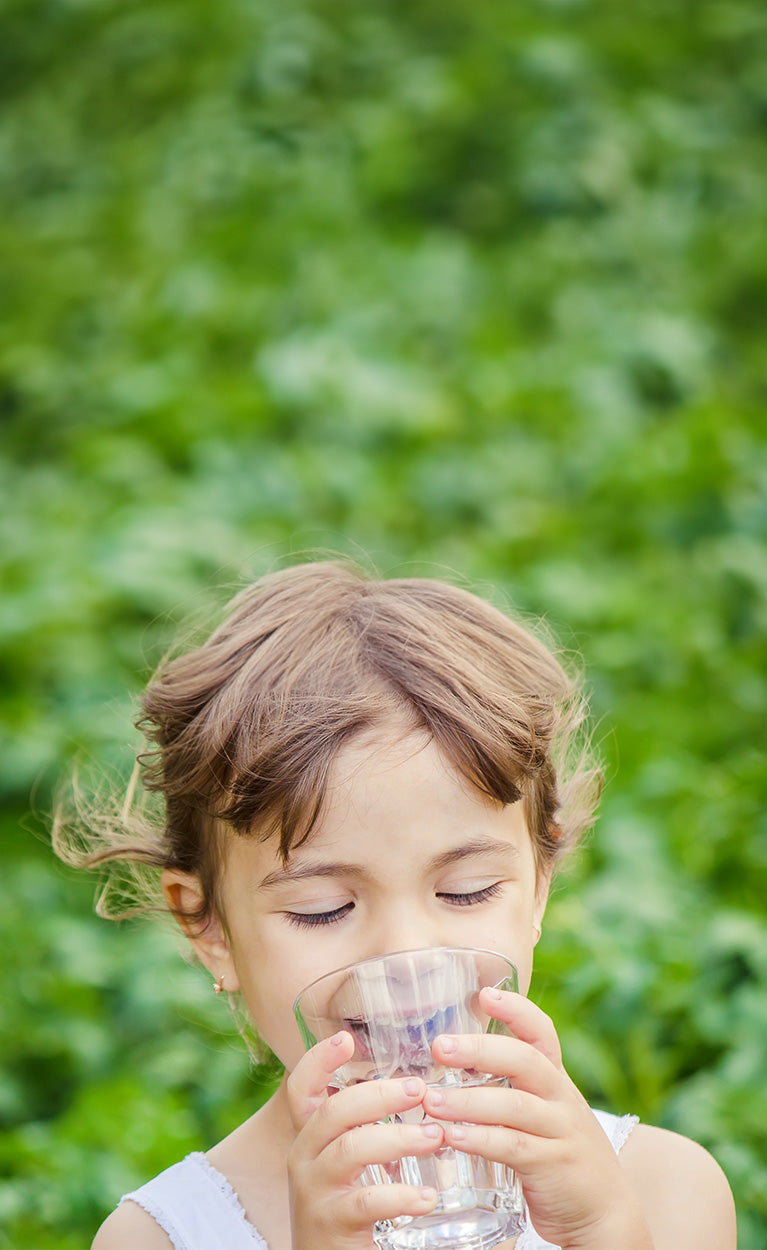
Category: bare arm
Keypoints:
(685, 1196)
(130, 1226)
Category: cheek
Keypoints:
(273, 969)
(513, 936)
(525, 973)
(269, 999)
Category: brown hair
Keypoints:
(246, 726)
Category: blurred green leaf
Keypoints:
(466, 288)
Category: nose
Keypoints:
(406, 930)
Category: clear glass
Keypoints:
(394, 1006)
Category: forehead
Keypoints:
(394, 774)
(393, 802)
(374, 753)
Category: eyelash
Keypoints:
(312, 920)
(475, 896)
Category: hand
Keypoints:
(577, 1194)
(337, 1138)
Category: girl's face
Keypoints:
(406, 854)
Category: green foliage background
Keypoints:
(476, 287)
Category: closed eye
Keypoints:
(473, 896)
(312, 919)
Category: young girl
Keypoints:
(351, 767)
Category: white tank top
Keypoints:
(198, 1209)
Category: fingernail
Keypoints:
(431, 1130)
(435, 1099)
(337, 1039)
(456, 1132)
(494, 995)
(448, 1046)
(428, 1195)
(412, 1086)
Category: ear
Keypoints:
(184, 896)
(542, 887)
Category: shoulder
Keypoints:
(129, 1226)
(684, 1192)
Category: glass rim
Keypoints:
(413, 950)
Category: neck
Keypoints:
(275, 1114)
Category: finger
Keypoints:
(523, 1065)
(308, 1082)
(365, 1103)
(478, 1104)
(363, 1205)
(524, 1152)
(346, 1158)
(524, 1019)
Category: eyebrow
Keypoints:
(476, 847)
(282, 876)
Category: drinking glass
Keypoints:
(394, 1006)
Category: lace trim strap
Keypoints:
(159, 1215)
(623, 1130)
(617, 1128)
(229, 1195)
(197, 1208)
